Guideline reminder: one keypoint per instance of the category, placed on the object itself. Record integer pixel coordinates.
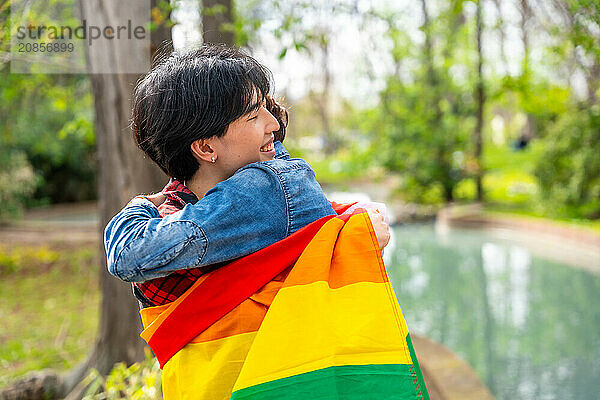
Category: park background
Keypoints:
(423, 104)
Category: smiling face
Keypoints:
(248, 139)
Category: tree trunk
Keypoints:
(323, 100)
(433, 81)
(502, 30)
(529, 130)
(216, 15)
(432, 75)
(160, 38)
(480, 96)
(448, 192)
(526, 15)
(123, 172)
(428, 48)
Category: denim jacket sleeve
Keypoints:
(239, 216)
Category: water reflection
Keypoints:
(528, 326)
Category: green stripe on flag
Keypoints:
(417, 369)
(348, 382)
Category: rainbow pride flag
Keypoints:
(311, 317)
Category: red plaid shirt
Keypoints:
(164, 290)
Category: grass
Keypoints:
(500, 209)
(49, 299)
(509, 177)
(512, 188)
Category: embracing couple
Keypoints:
(251, 283)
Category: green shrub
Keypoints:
(569, 170)
(140, 381)
(17, 183)
(49, 119)
(26, 258)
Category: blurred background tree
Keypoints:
(461, 98)
(49, 118)
(46, 126)
(568, 170)
(441, 93)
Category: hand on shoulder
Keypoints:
(157, 198)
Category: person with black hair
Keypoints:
(207, 119)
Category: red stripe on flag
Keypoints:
(341, 208)
(226, 288)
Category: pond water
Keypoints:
(529, 327)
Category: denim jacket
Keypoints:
(262, 203)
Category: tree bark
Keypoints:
(526, 15)
(123, 172)
(428, 49)
(433, 81)
(502, 29)
(323, 100)
(216, 15)
(160, 38)
(529, 130)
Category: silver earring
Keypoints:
(213, 159)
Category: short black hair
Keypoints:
(194, 95)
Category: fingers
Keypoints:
(281, 114)
(376, 216)
(157, 198)
(384, 239)
(382, 229)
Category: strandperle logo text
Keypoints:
(83, 31)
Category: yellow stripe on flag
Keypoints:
(206, 370)
(359, 320)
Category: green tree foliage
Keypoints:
(542, 100)
(428, 147)
(426, 114)
(49, 118)
(140, 381)
(569, 171)
(423, 124)
(17, 182)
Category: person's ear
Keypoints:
(203, 151)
